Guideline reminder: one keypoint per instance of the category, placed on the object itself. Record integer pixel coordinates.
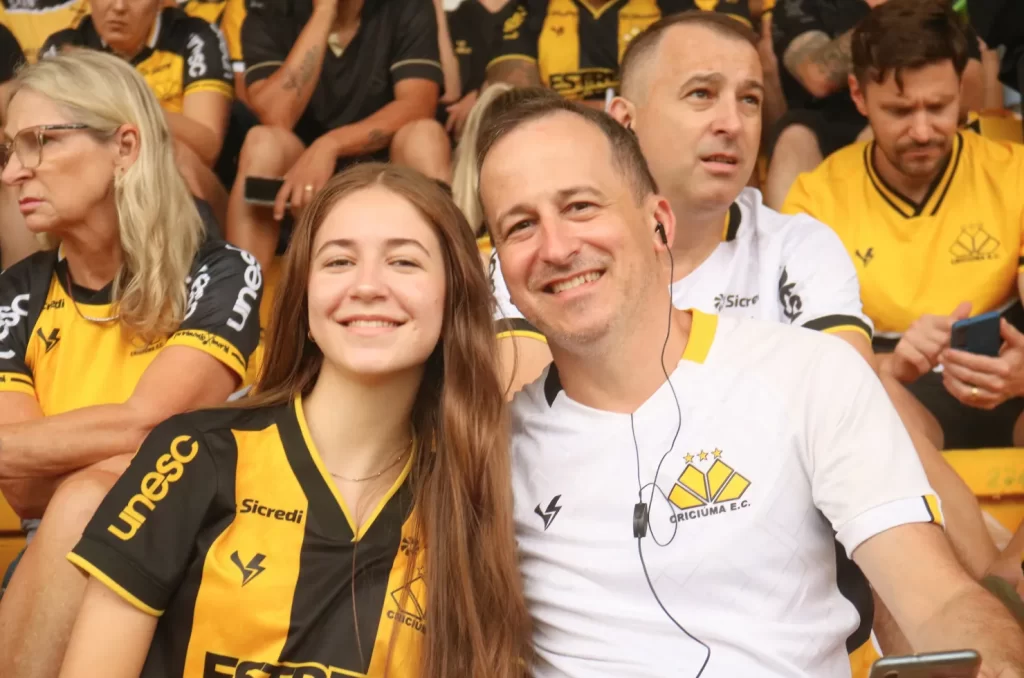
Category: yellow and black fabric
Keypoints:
(578, 47)
(476, 34)
(228, 526)
(961, 243)
(228, 15)
(183, 55)
(33, 21)
(52, 352)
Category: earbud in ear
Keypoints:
(660, 230)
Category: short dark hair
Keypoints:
(515, 108)
(904, 34)
(642, 47)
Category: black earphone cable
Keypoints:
(654, 483)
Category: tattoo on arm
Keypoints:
(297, 79)
(516, 72)
(376, 140)
(835, 59)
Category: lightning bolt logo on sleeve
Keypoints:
(548, 515)
(250, 571)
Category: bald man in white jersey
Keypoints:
(692, 91)
(680, 477)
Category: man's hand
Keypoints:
(983, 381)
(765, 46)
(307, 176)
(924, 341)
(458, 112)
(326, 7)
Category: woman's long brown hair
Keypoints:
(478, 626)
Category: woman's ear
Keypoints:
(127, 144)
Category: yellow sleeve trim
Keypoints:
(848, 328)
(526, 334)
(509, 57)
(212, 345)
(90, 569)
(742, 19)
(218, 86)
(702, 335)
(15, 382)
(263, 64)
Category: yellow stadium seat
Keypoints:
(12, 540)
(996, 477)
(1000, 125)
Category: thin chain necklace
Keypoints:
(71, 295)
(378, 474)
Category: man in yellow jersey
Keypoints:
(227, 16)
(574, 46)
(931, 218)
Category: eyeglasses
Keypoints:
(28, 144)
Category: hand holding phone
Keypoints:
(262, 191)
(959, 664)
(979, 335)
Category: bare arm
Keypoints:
(449, 62)
(819, 63)
(936, 604)
(202, 123)
(281, 99)
(515, 71)
(52, 446)
(415, 98)
(121, 655)
(774, 106)
(522, 361)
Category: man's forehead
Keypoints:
(690, 49)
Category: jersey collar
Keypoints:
(936, 192)
(732, 223)
(77, 293)
(698, 345)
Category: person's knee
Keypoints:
(423, 145)
(267, 150)
(797, 142)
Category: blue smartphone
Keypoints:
(959, 664)
(979, 334)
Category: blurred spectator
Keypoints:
(575, 47)
(812, 38)
(331, 81)
(227, 16)
(1001, 23)
(185, 63)
(475, 35)
(33, 21)
(134, 318)
(930, 219)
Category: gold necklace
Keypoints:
(378, 474)
(71, 295)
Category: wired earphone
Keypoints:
(642, 509)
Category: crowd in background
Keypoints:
(845, 181)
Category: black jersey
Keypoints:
(183, 55)
(476, 36)
(50, 351)
(228, 526)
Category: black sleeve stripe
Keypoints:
(826, 322)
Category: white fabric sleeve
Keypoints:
(504, 309)
(866, 476)
(818, 284)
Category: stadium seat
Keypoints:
(1000, 125)
(996, 477)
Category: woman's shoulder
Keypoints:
(222, 422)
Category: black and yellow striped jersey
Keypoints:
(33, 21)
(51, 351)
(961, 243)
(578, 47)
(228, 15)
(183, 55)
(228, 526)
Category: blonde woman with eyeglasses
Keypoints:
(132, 316)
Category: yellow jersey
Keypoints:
(52, 351)
(33, 21)
(961, 243)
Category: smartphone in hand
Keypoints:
(959, 664)
(262, 191)
(979, 335)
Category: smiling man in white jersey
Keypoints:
(686, 528)
(692, 88)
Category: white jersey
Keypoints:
(783, 268)
(788, 442)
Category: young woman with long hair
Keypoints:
(354, 516)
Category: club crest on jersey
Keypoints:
(715, 489)
(974, 244)
(409, 600)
